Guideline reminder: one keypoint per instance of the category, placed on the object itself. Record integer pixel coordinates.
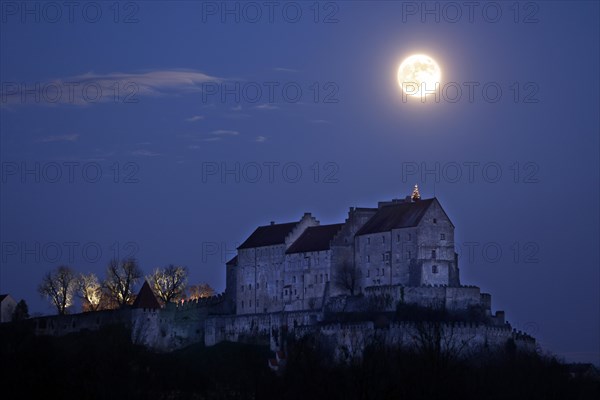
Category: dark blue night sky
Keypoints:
(169, 131)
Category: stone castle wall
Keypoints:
(256, 328)
(348, 341)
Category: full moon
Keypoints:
(419, 75)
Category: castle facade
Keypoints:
(298, 265)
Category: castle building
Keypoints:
(297, 265)
(302, 278)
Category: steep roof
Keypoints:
(233, 261)
(146, 298)
(2, 296)
(396, 215)
(315, 238)
(268, 235)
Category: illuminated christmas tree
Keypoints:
(415, 194)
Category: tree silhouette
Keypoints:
(346, 277)
(90, 291)
(121, 278)
(59, 287)
(21, 311)
(169, 283)
(200, 291)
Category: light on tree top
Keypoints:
(415, 194)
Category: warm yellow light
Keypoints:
(419, 75)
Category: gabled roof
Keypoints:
(2, 296)
(146, 298)
(268, 235)
(233, 261)
(396, 215)
(315, 238)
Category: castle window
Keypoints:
(369, 240)
(250, 303)
(434, 269)
(242, 304)
(433, 254)
(368, 258)
(321, 277)
(442, 236)
(408, 255)
(327, 277)
(257, 285)
(435, 221)
(242, 288)
(315, 278)
(368, 273)
(397, 237)
(409, 236)
(249, 286)
(382, 256)
(383, 239)
(257, 303)
(386, 256)
(294, 279)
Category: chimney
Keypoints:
(272, 222)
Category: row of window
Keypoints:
(321, 278)
(381, 272)
(409, 237)
(386, 256)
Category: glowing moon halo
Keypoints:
(419, 75)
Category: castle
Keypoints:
(302, 278)
(298, 265)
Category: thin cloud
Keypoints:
(211, 139)
(90, 88)
(260, 139)
(144, 153)
(280, 69)
(223, 132)
(195, 118)
(266, 107)
(60, 138)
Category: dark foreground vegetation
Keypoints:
(105, 365)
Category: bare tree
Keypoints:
(59, 287)
(200, 291)
(21, 311)
(90, 291)
(169, 283)
(439, 343)
(121, 277)
(346, 277)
